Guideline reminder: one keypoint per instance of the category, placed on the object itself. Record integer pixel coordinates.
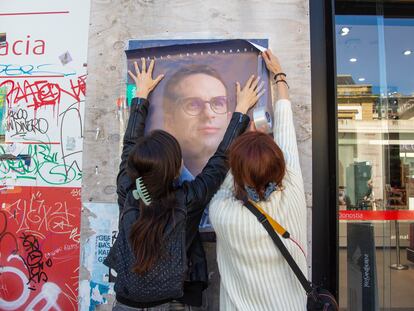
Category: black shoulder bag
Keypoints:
(318, 298)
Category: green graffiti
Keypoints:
(44, 164)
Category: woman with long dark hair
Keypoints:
(158, 256)
(254, 274)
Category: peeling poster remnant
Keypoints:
(103, 229)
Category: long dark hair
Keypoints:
(156, 158)
(255, 160)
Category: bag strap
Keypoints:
(279, 244)
(275, 225)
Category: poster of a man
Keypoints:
(196, 111)
(196, 98)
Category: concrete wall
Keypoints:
(113, 22)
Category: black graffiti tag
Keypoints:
(19, 123)
(34, 259)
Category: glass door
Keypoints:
(375, 98)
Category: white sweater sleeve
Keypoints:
(285, 135)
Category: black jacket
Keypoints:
(192, 196)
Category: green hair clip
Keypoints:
(141, 192)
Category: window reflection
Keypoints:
(375, 105)
(375, 96)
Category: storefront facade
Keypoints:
(367, 140)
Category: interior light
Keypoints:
(352, 60)
(407, 52)
(344, 31)
(361, 79)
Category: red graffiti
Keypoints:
(44, 217)
(78, 88)
(39, 249)
(43, 93)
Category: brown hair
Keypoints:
(255, 160)
(157, 159)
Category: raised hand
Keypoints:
(249, 95)
(279, 77)
(143, 79)
(272, 62)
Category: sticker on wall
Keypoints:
(65, 58)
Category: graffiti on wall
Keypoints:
(42, 97)
(44, 162)
(39, 249)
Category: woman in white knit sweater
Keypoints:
(254, 274)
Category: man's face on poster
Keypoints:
(196, 112)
